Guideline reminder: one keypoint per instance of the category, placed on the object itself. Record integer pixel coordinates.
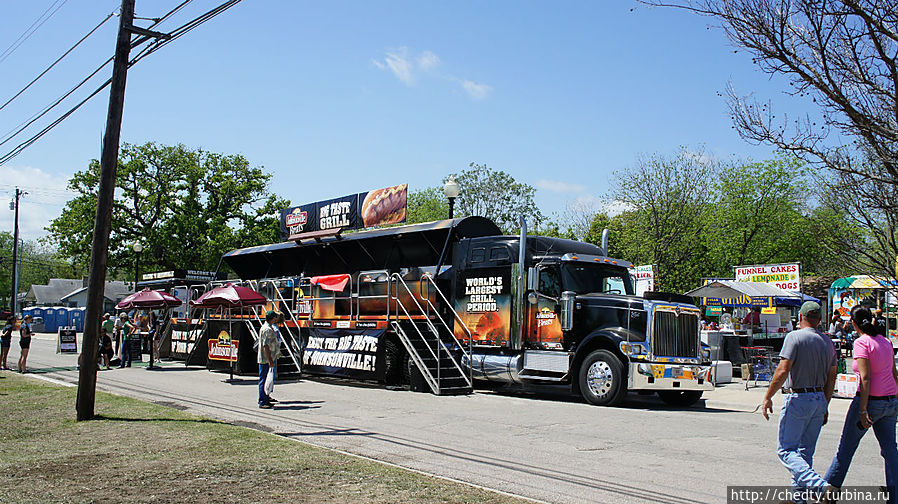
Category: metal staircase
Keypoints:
(290, 348)
(430, 342)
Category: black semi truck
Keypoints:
(451, 302)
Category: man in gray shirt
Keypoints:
(807, 376)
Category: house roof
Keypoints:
(59, 290)
(54, 291)
(114, 291)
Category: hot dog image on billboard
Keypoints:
(385, 206)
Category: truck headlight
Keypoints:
(628, 348)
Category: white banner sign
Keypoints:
(645, 279)
(784, 276)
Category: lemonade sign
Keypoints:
(785, 276)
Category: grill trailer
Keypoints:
(445, 304)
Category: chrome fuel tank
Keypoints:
(497, 367)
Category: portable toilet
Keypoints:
(80, 318)
(76, 319)
(28, 311)
(49, 315)
(62, 316)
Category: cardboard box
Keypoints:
(846, 385)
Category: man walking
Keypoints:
(269, 351)
(807, 375)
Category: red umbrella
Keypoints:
(230, 296)
(149, 300)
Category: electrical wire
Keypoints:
(153, 47)
(91, 32)
(31, 120)
(29, 31)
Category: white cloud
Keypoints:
(476, 91)
(428, 60)
(410, 69)
(47, 195)
(560, 187)
(402, 68)
(616, 207)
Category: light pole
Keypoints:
(451, 190)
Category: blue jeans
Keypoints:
(126, 352)
(263, 374)
(884, 415)
(800, 421)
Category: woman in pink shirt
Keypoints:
(875, 404)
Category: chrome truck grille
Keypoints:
(675, 334)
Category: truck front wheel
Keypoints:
(602, 379)
(681, 398)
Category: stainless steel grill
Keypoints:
(675, 335)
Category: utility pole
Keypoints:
(87, 376)
(15, 254)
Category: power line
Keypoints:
(177, 33)
(22, 127)
(91, 32)
(31, 120)
(31, 29)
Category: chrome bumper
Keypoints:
(655, 376)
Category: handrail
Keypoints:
(457, 317)
(433, 382)
(440, 346)
(293, 318)
(449, 306)
(358, 291)
(407, 314)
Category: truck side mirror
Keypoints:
(532, 279)
(567, 310)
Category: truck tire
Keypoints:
(394, 362)
(682, 398)
(602, 379)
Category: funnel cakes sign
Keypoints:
(356, 211)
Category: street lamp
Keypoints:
(451, 190)
(138, 248)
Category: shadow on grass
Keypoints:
(162, 419)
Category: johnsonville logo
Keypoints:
(296, 218)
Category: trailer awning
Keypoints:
(731, 289)
(386, 248)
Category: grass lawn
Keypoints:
(140, 452)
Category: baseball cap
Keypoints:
(810, 308)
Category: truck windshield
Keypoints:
(585, 278)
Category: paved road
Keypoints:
(547, 447)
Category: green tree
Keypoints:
(497, 196)
(757, 206)
(427, 205)
(187, 206)
(667, 214)
(37, 265)
(694, 218)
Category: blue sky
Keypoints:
(340, 97)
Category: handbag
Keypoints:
(269, 381)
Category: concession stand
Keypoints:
(875, 292)
(727, 340)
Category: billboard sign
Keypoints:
(645, 279)
(785, 276)
(355, 211)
